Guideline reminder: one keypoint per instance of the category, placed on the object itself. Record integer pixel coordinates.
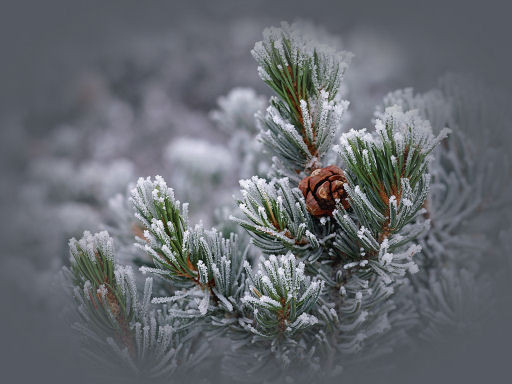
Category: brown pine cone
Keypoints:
(322, 188)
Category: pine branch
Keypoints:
(281, 296)
(277, 218)
(303, 119)
(387, 174)
(117, 325)
(188, 257)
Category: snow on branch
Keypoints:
(277, 219)
(117, 323)
(188, 256)
(303, 120)
(281, 296)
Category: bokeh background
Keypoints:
(94, 94)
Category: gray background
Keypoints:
(45, 42)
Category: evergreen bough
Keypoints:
(323, 288)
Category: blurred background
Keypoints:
(95, 94)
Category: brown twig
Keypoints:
(282, 315)
(312, 149)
